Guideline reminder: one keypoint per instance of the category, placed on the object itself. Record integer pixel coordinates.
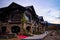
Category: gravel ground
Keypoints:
(53, 36)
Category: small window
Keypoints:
(3, 29)
(15, 29)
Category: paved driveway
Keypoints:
(38, 37)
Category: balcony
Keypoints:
(14, 22)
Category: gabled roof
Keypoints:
(13, 6)
(33, 13)
(31, 9)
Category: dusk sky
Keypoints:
(49, 9)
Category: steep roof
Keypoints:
(12, 6)
(33, 13)
(31, 9)
(15, 5)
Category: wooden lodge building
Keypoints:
(18, 19)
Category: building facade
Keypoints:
(20, 20)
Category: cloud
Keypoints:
(58, 17)
(54, 21)
(53, 17)
(55, 13)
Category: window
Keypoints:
(3, 29)
(15, 29)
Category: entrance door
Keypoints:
(15, 29)
(3, 29)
